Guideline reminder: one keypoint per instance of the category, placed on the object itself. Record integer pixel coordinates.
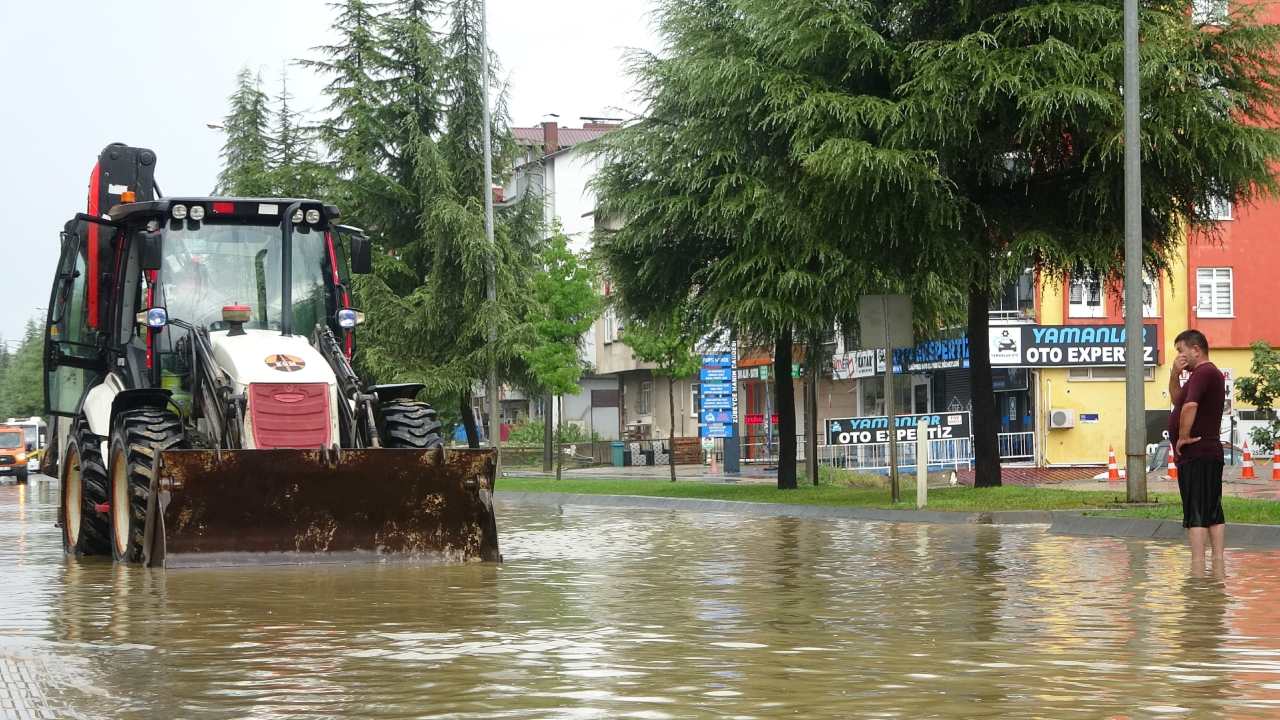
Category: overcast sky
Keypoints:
(80, 75)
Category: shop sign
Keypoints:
(715, 395)
(874, 430)
(1065, 345)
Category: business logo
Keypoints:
(285, 363)
(1006, 345)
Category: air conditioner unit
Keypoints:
(1062, 419)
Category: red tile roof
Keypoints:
(568, 137)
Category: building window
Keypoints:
(693, 399)
(609, 331)
(1209, 12)
(646, 398)
(1220, 208)
(1085, 296)
(1214, 295)
(1112, 374)
(1150, 297)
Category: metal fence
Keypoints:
(947, 454)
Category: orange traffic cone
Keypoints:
(1113, 470)
(1246, 465)
(1173, 469)
(1275, 462)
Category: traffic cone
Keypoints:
(1275, 462)
(1173, 469)
(1246, 465)
(1113, 470)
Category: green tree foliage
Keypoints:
(22, 386)
(798, 154)
(564, 306)
(430, 313)
(294, 170)
(670, 343)
(1260, 389)
(246, 160)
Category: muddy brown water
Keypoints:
(607, 613)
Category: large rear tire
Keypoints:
(136, 440)
(410, 424)
(85, 530)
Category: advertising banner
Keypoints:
(873, 430)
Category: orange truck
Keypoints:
(13, 452)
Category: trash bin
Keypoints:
(616, 453)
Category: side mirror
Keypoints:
(150, 257)
(361, 255)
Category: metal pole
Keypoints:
(1135, 405)
(495, 429)
(888, 405)
(922, 463)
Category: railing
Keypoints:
(1017, 446)
(943, 455)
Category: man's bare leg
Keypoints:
(1218, 539)
(1197, 536)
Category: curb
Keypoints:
(1060, 522)
(1239, 535)
(937, 517)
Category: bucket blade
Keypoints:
(299, 506)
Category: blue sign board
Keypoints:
(716, 416)
(716, 430)
(717, 360)
(717, 402)
(717, 389)
(716, 375)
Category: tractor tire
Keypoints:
(410, 424)
(22, 476)
(136, 439)
(85, 529)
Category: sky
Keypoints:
(154, 73)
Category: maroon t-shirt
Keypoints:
(1207, 388)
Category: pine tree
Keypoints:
(22, 391)
(355, 132)
(295, 171)
(246, 151)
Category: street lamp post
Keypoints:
(495, 428)
(1135, 405)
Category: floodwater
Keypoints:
(607, 613)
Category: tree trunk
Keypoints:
(671, 435)
(469, 421)
(559, 435)
(811, 409)
(986, 446)
(785, 406)
(548, 432)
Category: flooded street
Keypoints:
(604, 613)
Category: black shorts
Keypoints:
(1200, 484)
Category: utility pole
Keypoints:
(1135, 405)
(889, 413)
(495, 425)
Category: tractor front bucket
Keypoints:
(231, 507)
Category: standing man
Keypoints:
(1194, 428)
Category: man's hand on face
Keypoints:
(1180, 363)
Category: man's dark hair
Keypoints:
(1193, 338)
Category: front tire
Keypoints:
(22, 477)
(136, 440)
(85, 530)
(410, 424)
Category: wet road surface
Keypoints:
(605, 613)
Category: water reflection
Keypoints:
(609, 613)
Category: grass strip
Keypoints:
(956, 499)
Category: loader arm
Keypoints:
(214, 391)
(356, 414)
